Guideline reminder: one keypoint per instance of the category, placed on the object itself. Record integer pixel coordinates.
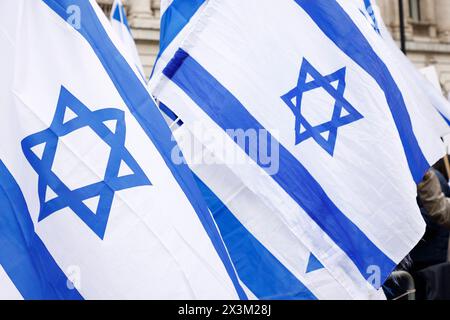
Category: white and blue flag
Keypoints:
(271, 262)
(353, 141)
(177, 16)
(93, 206)
(418, 85)
(120, 25)
(268, 271)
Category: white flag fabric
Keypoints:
(164, 5)
(120, 25)
(287, 271)
(92, 204)
(9, 290)
(352, 139)
(271, 262)
(431, 74)
(418, 84)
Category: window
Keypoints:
(414, 10)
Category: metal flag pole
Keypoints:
(402, 26)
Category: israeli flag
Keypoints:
(271, 262)
(92, 204)
(120, 25)
(352, 141)
(177, 16)
(418, 85)
(176, 19)
(287, 271)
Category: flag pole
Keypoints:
(402, 26)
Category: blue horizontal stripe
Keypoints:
(339, 27)
(260, 271)
(23, 255)
(146, 113)
(174, 20)
(228, 112)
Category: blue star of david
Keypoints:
(343, 113)
(104, 190)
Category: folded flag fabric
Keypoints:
(177, 16)
(93, 206)
(352, 141)
(9, 290)
(120, 25)
(271, 262)
(287, 271)
(417, 83)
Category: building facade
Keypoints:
(427, 31)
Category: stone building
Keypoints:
(427, 30)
